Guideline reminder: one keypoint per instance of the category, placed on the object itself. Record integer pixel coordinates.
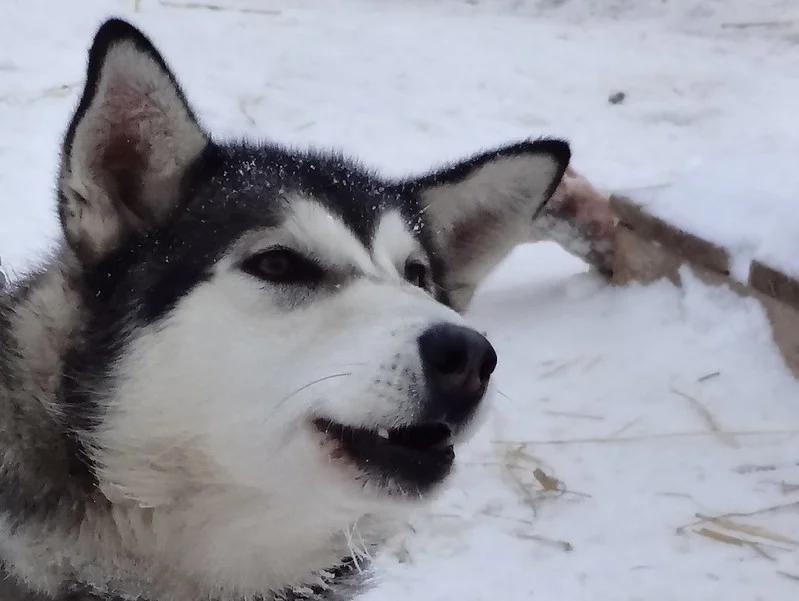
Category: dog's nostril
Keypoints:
(458, 361)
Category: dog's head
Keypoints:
(282, 324)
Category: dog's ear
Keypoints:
(479, 209)
(129, 146)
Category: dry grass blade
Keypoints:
(574, 415)
(749, 468)
(707, 377)
(708, 418)
(625, 427)
(647, 437)
(753, 24)
(769, 509)
(558, 544)
(513, 460)
(676, 495)
(517, 463)
(735, 541)
(721, 537)
(760, 551)
(592, 363)
(788, 575)
(757, 531)
(559, 368)
(547, 482)
(517, 460)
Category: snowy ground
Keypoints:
(645, 407)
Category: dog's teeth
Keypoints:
(382, 433)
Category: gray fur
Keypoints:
(145, 455)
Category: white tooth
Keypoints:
(382, 433)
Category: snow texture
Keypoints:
(642, 406)
(746, 203)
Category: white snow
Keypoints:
(650, 404)
(746, 203)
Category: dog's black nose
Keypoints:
(457, 363)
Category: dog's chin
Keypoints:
(408, 462)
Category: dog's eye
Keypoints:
(416, 273)
(282, 266)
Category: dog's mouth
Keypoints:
(415, 456)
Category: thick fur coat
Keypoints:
(243, 364)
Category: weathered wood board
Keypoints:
(647, 249)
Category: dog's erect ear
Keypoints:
(481, 208)
(131, 142)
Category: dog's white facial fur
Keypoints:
(205, 446)
(211, 418)
(350, 356)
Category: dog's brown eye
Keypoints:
(416, 273)
(283, 266)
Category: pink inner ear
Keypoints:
(129, 113)
(470, 235)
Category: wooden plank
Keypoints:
(691, 247)
(645, 252)
(775, 284)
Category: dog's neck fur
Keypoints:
(337, 584)
(62, 539)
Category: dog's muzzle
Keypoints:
(457, 363)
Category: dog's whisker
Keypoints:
(355, 553)
(313, 383)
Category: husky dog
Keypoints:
(243, 364)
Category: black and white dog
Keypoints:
(241, 358)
